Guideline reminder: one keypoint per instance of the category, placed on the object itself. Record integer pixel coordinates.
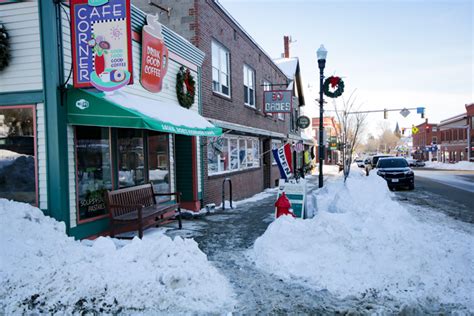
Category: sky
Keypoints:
(393, 54)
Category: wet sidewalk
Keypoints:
(226, 237)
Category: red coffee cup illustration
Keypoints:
(154, 55)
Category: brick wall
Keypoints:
(182, 18)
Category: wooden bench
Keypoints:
(136, 208)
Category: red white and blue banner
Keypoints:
(282, 157)
(101, 43)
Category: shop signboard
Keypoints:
(101, 43)
(278, 101)
(154, 55)
(303, 121)
(295, 191)
(333, 143)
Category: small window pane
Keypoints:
(158, 162)
(242, 152)
(246, 95)
(17, 155)
(252, 97)
(93, 170)
(234, 154)
(131, 158)
(215, 55)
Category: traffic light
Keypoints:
(403, 130)
(421, 110)
(385, 114)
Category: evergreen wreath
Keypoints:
(185, 87)
(333, 82)
(4, 47)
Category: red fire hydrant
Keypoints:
(283, 206)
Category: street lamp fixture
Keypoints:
(321, 53)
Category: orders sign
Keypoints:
(277, 101)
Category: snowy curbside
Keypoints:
(461, 165)
(361, 241)
(42, 270)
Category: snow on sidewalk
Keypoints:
(43, 270)
(362, 241)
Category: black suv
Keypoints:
(396, 172)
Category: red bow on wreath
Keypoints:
(334, 81)
(187, 82)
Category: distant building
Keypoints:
(425, 141)
(453, 133)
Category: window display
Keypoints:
(131, 157)
(17, 154)
(243, 153)
(158, 162)
(93, 170)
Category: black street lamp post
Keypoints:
(321, 53)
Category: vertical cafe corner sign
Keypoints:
(101, 43)
(154, 55)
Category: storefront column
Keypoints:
(55, 111)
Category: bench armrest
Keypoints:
(177, 194)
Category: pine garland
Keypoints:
(4, 48)
(185, 87)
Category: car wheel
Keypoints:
(391, 187)
(411, 186)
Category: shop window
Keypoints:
(17, 154)
(158, 162)
(226, 154)
(131, 160)
(93, 170)
(220, 69)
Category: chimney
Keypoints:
(286, 43)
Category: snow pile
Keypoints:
(362, 242)
(43, 270)
(461, 165)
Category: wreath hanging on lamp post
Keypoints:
(4, 47)
(333, 87)
(185, 87)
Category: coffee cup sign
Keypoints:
(154, 55)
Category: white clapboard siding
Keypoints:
(71, 176)
(41, 153)
(24, 71)
(66, 38)
(172, 165)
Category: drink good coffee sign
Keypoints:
(154, 55)
(101, 43)
(277, 101)
(303, 121)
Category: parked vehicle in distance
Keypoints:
(360, 163)
(411, 162)
(396, 171)
(373, 162)
(419, 163)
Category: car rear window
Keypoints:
(392, 163)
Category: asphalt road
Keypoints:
(448, 191)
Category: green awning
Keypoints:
(119, 109)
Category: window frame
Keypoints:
(220, 48)
(241, 165)
(35, 142)
(247, 70)
(267, 86)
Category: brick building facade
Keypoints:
(453, 134)
(234, 75)
(424, 140)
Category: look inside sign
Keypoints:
(279, 101)
(101, 43)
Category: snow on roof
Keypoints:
(40, 264)
(287, 65)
